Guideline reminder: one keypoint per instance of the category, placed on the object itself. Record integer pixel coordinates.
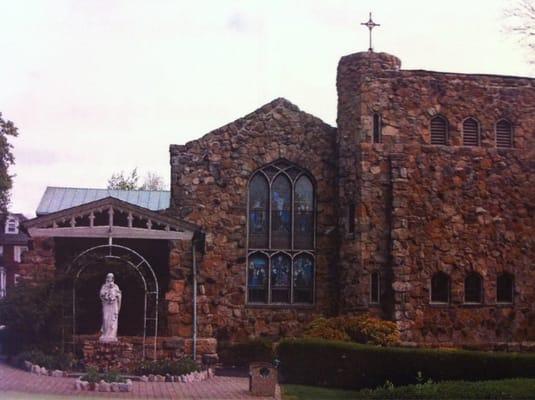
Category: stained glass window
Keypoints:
(258, 278)
(304, 214)
(281, 219)
(280, 278)
(258, 206)
(281, 213)
(303, 279)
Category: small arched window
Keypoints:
(281, 219)
(473, 288)
(440, 288)
(471, 132)
(505, 288)
(504, 133)
(375, 287)
(377, 128)
(439, 130)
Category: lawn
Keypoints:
(495, 390)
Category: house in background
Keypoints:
(13, 242)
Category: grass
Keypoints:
(495, 390)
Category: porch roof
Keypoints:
(122, 220)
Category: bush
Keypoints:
(163, 367)
(242, 354)
(361, 329)
(61, 361)
(348, 365)
(30, 314)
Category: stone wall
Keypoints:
(459, 210)
(209, 179)
(399, 187)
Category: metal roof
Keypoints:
(60, 198)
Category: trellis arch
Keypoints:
(122, 254)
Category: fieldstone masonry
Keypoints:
(417, 209)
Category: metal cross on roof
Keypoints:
(370, 24)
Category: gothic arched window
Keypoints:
(504, 133)
(281, 220)
(439, 130)
(471, 132)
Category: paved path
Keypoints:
(14, 381)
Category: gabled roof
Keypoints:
(61, 198)
(77, 222)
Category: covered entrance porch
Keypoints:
(154, 259)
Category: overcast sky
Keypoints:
(102, 86)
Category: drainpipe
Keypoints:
(194, 301)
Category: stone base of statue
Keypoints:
(106, 356)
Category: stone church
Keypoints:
(419, 207)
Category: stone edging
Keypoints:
(104, 386)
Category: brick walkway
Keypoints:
(16, 380)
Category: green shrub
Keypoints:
(349, 365)
(163, 367)
(61, 361)
(92, 375)
(242, 354)
(361, 329)
(112, 376)
(30, 314)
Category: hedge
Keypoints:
(320, 362)
(243, 353)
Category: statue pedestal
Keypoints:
(108, 356)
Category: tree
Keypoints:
(7, 128)
(121, 182)
(152, 181)
(520, 21)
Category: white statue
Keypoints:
(110, 295)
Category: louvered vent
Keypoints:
(504, 134)
(439, 130)
(470, 132)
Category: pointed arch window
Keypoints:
(504, 133)
(439, 130)
(281, 228)
(471, 132)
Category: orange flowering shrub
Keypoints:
(361, 329)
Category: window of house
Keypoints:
(17, 252)
(375, 287)
(471, 132)
(440, 288)
(377, 128)
(439, 130)
(16, 279)
(473, 288)
(12, 225)
(504, 288)
(504, 133)
(280, 257)
(3, 287)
